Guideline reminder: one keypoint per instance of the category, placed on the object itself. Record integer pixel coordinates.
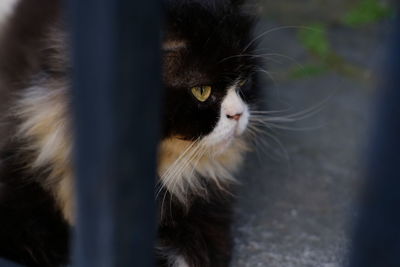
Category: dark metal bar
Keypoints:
(4, 263)
(116, 98)
(377, 239)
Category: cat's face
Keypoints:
(208, 78)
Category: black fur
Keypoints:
(32, 230)
(200, 234)
(22, 40)
(216, 33)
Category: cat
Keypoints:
(211, 87)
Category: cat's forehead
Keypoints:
(202, 43)
(186, 65)
(207, 22)
(182, 69)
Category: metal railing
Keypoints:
(377, 238)
(4, 263)
(116, 95)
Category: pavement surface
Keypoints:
(297, 202)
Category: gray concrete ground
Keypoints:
(297, 201)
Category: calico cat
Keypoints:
(210, 88)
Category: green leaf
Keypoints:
(314, 38)
(367, 11)
(309, 70)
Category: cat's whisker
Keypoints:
(250, 56)
(264, 116)
(264, 113)
(269, 56)
(171, 180)
(262, 144)
(277, 126)
(196, 160)
(176, 175)
(269, 74)
(271, 125)
(311, 110)
(181, 169)
(253, 138)
(267, 119)
(192, 162)
(251, 133)
(162, 204)
(179, 166)
(200, 154)
(166, 175)
(256, 112)
(181, 157)
(284, 118)
(279, 143)
(264, 147)
(253, 129)
(263, 34)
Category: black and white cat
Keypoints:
(210, 89)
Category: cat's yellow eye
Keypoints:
(242, 83)
(202, 93)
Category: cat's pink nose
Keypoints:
(235, 117)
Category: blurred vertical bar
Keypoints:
(377, 238)
(116, 99)
(5, 263)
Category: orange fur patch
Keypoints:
(45, 124)
(181, 165)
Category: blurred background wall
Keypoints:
(330, 11)
(299, 198)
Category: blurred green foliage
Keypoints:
(314, 38)
(308, 70)
(366, 12)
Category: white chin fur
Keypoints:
(215, 157)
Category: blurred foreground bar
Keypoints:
(377, 240)
(4, 263)
(116, 100)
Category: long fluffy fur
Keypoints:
(47, 131)
(183, 164)
(194, 226)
